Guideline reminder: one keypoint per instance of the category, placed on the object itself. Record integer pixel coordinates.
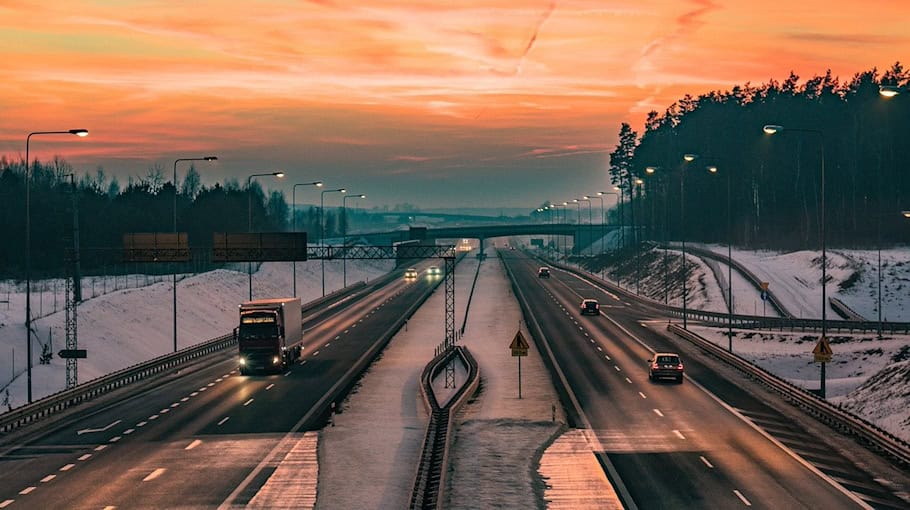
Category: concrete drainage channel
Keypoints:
(430, 479)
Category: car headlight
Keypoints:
(276, 360)
(242, 361)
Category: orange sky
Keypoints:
(436, 103)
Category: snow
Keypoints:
(367, 459)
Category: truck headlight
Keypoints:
(276, 360)
(242, 361)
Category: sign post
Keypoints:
(519, 347)
(823, 354)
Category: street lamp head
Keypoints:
(210, 158)
(586, 197)
(615, 188)
(79, 132)
(318, 184)
(565, 204)
(690, 157)
(639, 181)
(906, 214)
(279, 175)
(361, 196)
(890, 90)
(650, 169)
(712, 169)
(343, 190)
(772, 129)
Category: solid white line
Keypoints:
(7, 503)
(142, 424)
(67, 467)
(270, 387)
(100, 447)
(154, 474)
(128, 431)
(194, 444)
(27, 490)
(628, 380)
(115, 439)
(85, 457)
(742, 498)
(48, 478)
(642, 395)
(226, 418)
(679, 434)
(248, 402)
(703, 459)
(658, 413)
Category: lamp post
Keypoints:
(772, 129)
(713, 169)
(590, 218)
(318, 184)
(249, 193)
(577, 216)
(344, 241)
(637, 182)
(687, 158)
(557, 222)
(887, 92)
(622, 217)
(28, 248)
(322, 229)
(603, 216)
(174, 280)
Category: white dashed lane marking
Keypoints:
(154, 474)
(194, 444)
(114, 439)
(248, 402)
(128, 431)
(628, 380)
(48, 478)
(86, 456)
(141, 424)
(7, 503)
(703, 459)
(679, 434)
(742, 498)
(67, 467)
(27, 490)
(658, 413)
(269, 387)
(100, 447)
(226, 418)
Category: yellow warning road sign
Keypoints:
(822, 351)
(519, 345)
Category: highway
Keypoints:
(203, 438)
(668, 445)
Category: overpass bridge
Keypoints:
(583, 235)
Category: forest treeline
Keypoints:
(775, 181)
(106, 211)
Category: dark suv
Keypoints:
(665, 365)
(543, 272)
(590, 306)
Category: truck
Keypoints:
(270, 335)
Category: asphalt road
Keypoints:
(703, 443)
(203, 438)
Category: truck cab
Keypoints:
(269, 335)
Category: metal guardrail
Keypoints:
(57, 402)
(743, 321)
(844, 311)
(65, 399)
(430, 480)
(826, 412)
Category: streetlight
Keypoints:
(249, 194)
(889, 91)
(174, 283)
(622, 217)
(578, 216)
(322, 229)
(637, 182)
(318, 184)
(905, 214)
(713, 170)
(687, 158)
(344, 240)
(772, 129)
(28, 248)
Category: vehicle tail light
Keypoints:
(679, 367)
(654, 365)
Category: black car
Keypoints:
(543, 272)
(590, 306)
(666, 365)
